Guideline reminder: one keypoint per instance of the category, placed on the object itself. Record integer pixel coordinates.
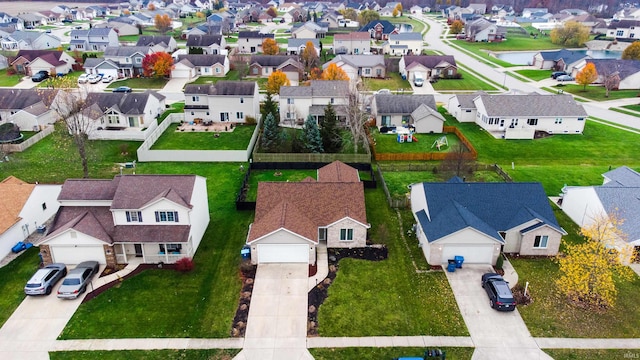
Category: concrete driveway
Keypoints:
(277, 323)
(496, 335)
(35, 325)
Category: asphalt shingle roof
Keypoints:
(533, 105)
(203, 59)
(126, 103)
(402, 104)
(317, 88)
(204, 40)
(271, 60)
(223, 88)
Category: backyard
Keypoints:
(231, 75)
(275, 175)
(388, 143)
(9, 80)
(154, 83)
(172, 139)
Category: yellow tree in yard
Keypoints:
(572, 34)
(587, 75)
(333, 72)
(456, 27)
(270, 47)
(589, 270)
(276, 80)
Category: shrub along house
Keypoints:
(479, 220)
(289, 223)
(156, 218)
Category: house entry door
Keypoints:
(138, 248)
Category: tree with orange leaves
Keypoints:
(587, 75)
(270, 47)
(315, 74)
(157, 64)
(276, 80)
(333, 72)
(162, 22)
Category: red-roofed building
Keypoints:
(292, 218)
(29, 62)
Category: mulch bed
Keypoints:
(248, 276)
(136, 271)
(320, 292)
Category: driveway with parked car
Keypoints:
(496, 334)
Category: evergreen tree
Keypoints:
(312, 139)
(271, 134)
(270, 107)
(330, 133)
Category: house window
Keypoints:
(138, 60)
(192, 113)
(239, 115)
(217, 70)
(166, 216)
(289, 101)
(346, 234)
(379, 72)
(386, 120)
(224, 116)
(367, 71)
(44, 206)
(195, 98)
(206, 69)
(171, 248)
(450, 72)
(558, 121)
(254, 71)
(620, 33)
(134, 216)
(540, 242)
(332, 101)
(289, 115)
(532, 122)
(241, 100)
(113, 118)
(581, 119)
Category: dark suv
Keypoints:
(555, 74)
(40, 75)
(500, 296)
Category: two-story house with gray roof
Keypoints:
(155, 218)
(403, 44)
(297, 46)
(158, 43)
(29, 40)
(209, 43)
(417, 112)
(354, 43)
(192, 65)
(224, 101)
(616, 197)
(528, 116)
(118, 61)
(480, 220)
(297, 102)
(250, 42)
(482, 30)
(95, 39)
(123, 115)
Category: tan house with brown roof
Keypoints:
(293, 218)
(158, 218)
(24, 207)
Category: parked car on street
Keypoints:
(123, 89)
(94, 78)
(43, 281)
(500, 296)
(77, 280)
(40, 75)
(564, 78)
(107, 79)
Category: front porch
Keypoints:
(152, 253)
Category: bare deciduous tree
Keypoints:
(458, 161)
(356, 118)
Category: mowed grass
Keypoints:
(388, 143)
(164, 303)
(200, 354)
(393, 83)
(388, 297)
(468, 82)
(140, 83)
(593, 354)
(14, 276)
(535, 75)
(9, 80)
(385, 353)
(597, 92)
(231, 75)
(275, 175)
(632, 107)
(238, 139)
(398, 181)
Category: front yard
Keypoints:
(535, 75)
(171, 139)
(468, 82)
(153, 83)
(205, 354)
(14, 275)
(378, 353)
(597, 92)
(393, 83)
(9, 80)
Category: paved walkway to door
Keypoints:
(496, 335)
(277, 323)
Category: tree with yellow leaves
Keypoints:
(333, 72)
(456, 27)
(572, 34)
(399, 8)
(587, 75)
(270, 47)
(309, 56)
(162, 22)
(276, 80)
(589, 270)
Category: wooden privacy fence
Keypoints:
(472, 154)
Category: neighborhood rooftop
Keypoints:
(535, 105)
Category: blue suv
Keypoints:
(500, 296)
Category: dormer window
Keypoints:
(134, 216)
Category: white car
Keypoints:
(83, 79)
(107, 79)
(94, 78)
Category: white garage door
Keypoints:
(181, 73)
(473, 254)
(76, 255)
(105, 72)
(283, 253)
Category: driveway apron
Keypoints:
(277, 322)
(496, 335)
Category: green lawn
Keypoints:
(129, 38)
(468, 82)
(206, 354)
(171, 139)
(384, 353)
(140, 83)
(393, 83)
(9, 80)
(173, 109)
(165, 303)
(388, 143)
(69, 80)
(593, 354)
(597, 93)
(398, 181)
(535, 75)
(388, 297)
(275, 175)
(623, 111)
(231, 75)
(14, 276)
(632, 107)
